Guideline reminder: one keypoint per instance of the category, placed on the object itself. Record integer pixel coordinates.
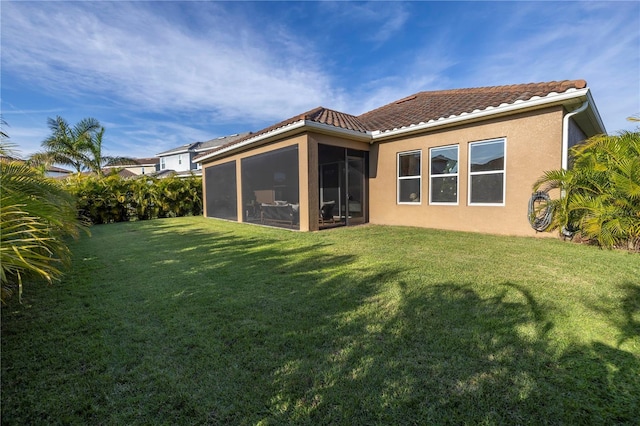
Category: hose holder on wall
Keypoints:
(540, 211)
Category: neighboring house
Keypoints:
(49, 171)
(463, 159)
(57, 172)
(180, 160)
(141, 166)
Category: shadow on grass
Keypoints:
(231, 328)
(630, 325)
(448, 356)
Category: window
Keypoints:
(487, 172)
(444, 175)
(162, 164)
(179, 158)
(409, 177)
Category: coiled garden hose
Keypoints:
(540, 217)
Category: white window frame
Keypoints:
(489, 172)
(444, 175)
(163, 164)
(400, 178)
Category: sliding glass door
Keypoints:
(355, 205)
(343, 186)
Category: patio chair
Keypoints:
(326, 212)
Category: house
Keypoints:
(180, 159)
(50, 171)
(141, 166)
(57, 172)
(462, 159)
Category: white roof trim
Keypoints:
(535, 101)
(173, 152)
(275, 132)
(504, 108)
(596, 113)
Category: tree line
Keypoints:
(38, 214)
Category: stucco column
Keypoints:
(239, 203)
(309, 190)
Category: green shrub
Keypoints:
(114, 199)
(601, 192)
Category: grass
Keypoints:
(196, 321)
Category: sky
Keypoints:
(160, 74)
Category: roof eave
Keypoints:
(328, 129)
(289, 130)
(594, 115)
(571, 95)
(261, 137)
(167, 153)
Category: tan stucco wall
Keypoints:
(533, 145)
(344, 143)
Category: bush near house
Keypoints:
(601, 199)
(114, 199)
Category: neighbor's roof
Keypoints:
(203, 146)
(222, 140)
(57, 169)
(151, 161)
(147, 161)
(416, 110)
(178, 150)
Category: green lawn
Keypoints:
(197, 321)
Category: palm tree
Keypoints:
(95, 161)
(601, 193)
(36, 214)
(67, 145)
(3, 134)
(79, 146)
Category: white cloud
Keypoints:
(142, 67)
(26, 139)
(600, 44)
(376, 22)
(126, 52)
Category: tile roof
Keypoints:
(335, 118)
(150, 160)
(318, 115)
(424, 106)
(137, 162)
(420, 108)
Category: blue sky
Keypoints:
(161, 74)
